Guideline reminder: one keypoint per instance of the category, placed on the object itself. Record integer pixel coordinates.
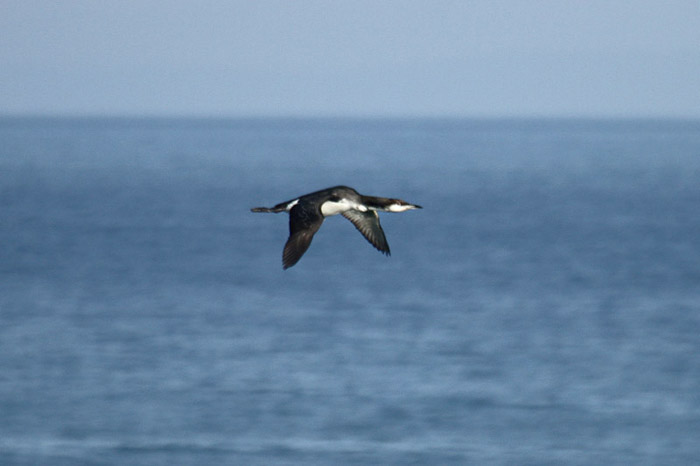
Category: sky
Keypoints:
(356, 58)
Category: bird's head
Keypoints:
(397, 205)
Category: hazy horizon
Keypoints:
(351, 59)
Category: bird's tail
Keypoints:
(273, 210)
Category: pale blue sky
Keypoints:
(590, 58)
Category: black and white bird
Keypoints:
(306, 214)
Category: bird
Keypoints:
(307, 212)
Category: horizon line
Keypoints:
(341, 117)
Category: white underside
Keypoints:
(329, 208)
(292, 204)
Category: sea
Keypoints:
(543, 308)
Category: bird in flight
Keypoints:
(306, 214)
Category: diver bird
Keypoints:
(306, 214)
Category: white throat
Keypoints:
(400, 208)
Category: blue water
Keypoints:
(543, 307)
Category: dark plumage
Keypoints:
(306, 214)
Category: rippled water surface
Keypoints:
(543, 307)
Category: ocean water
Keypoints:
(543, 307)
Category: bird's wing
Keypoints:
(368, 224)
(304, 221)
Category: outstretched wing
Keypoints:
(304, 221)
(368, 224)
